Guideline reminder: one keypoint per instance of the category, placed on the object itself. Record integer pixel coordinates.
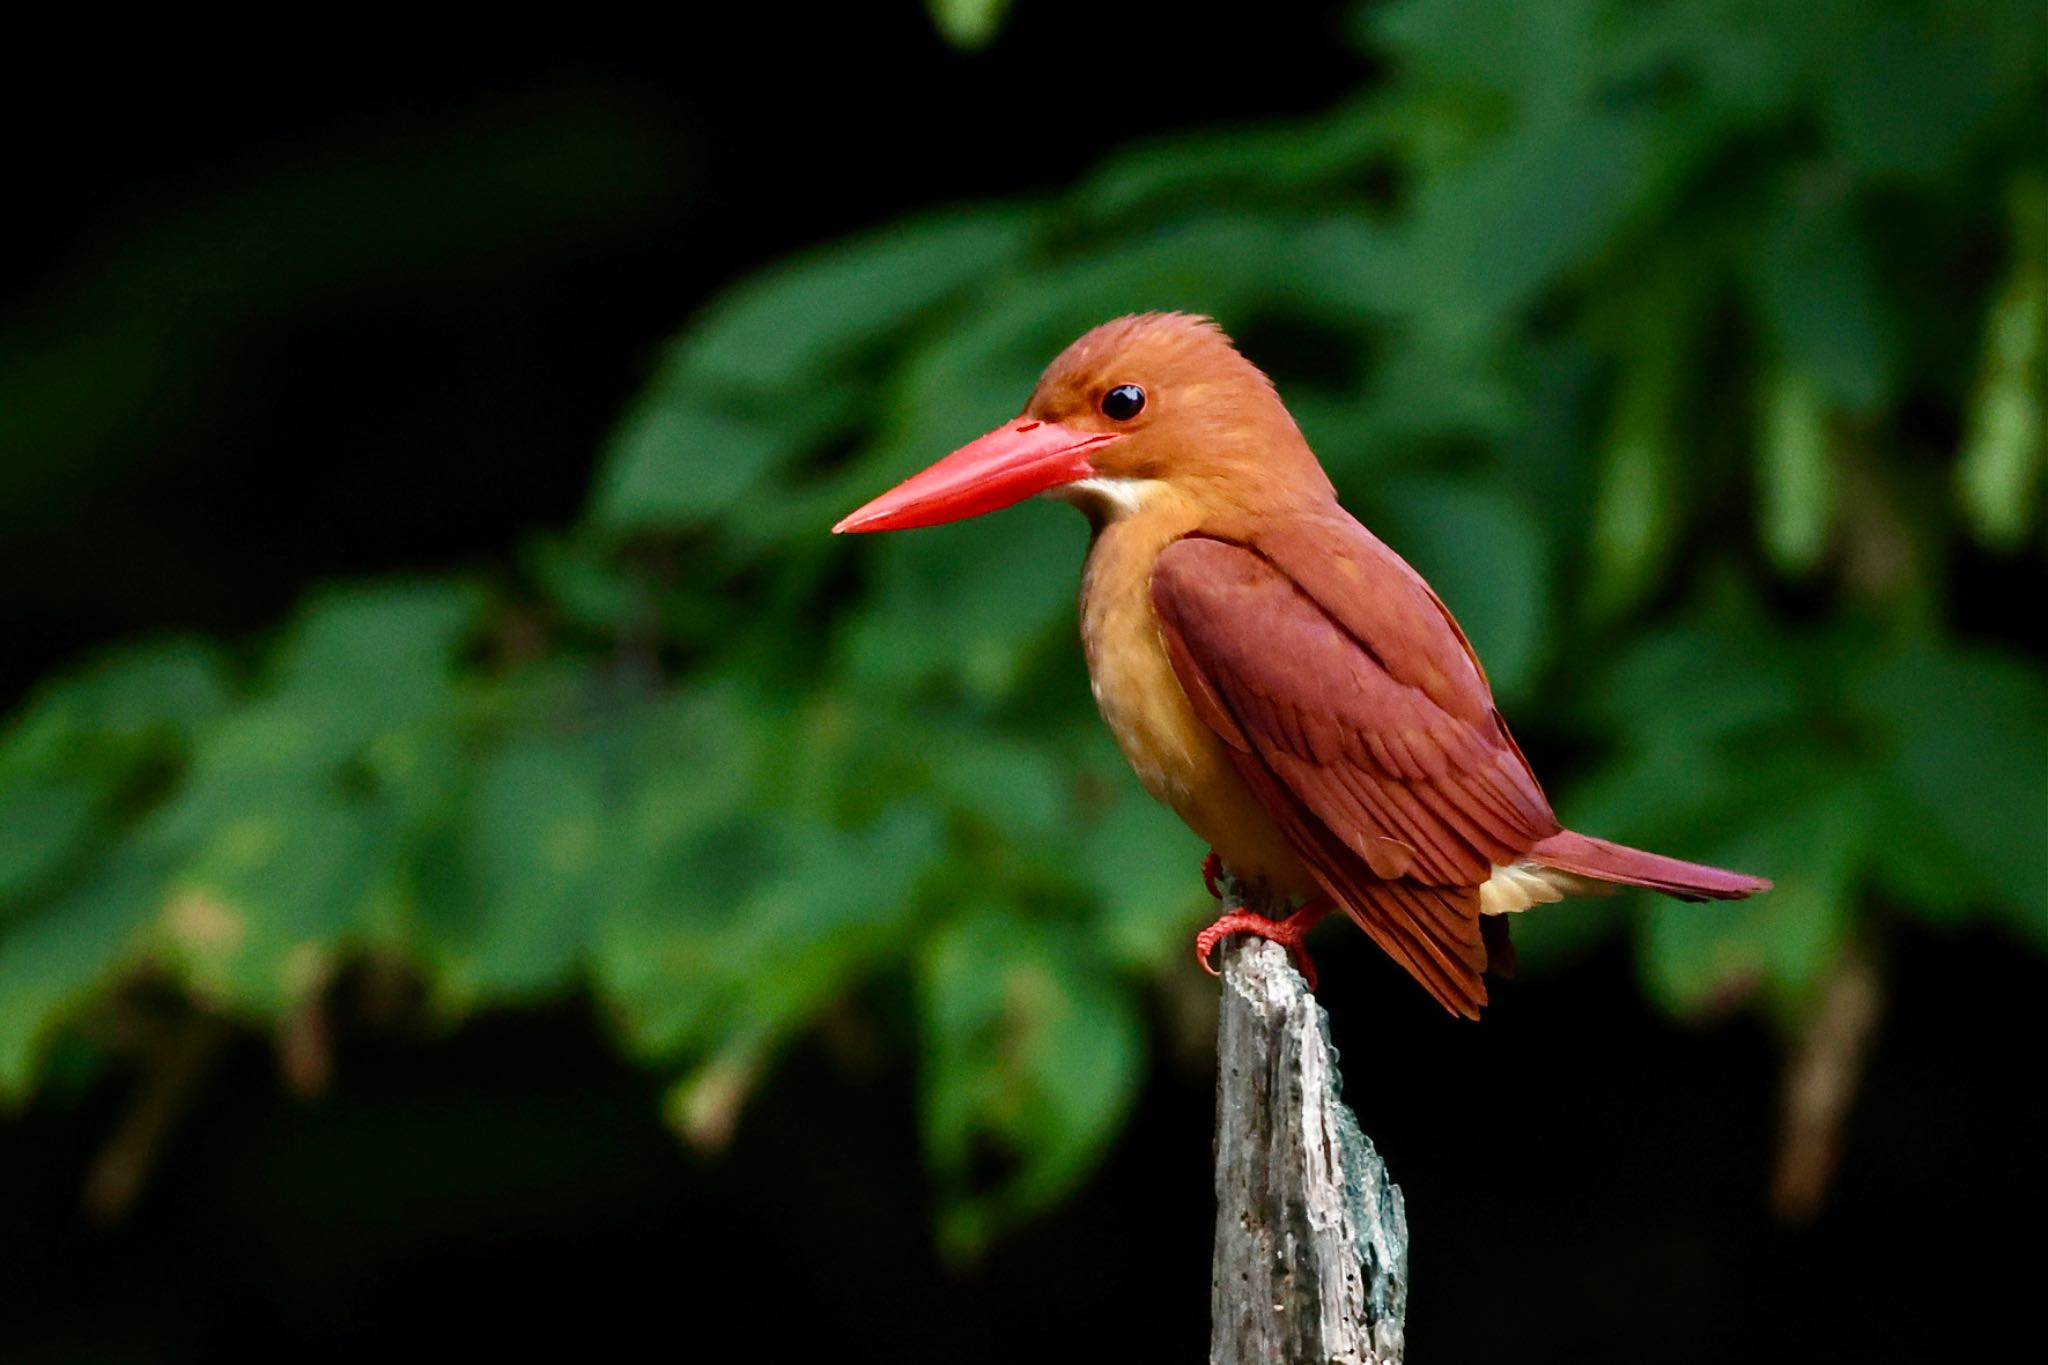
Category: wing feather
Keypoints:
(1379, 755)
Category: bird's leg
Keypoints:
(1212, 872)
(1288, 933)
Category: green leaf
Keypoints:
(54, 963)
(1914, 864)
(824, 922)
(361, 675)
(533, 868)
(1748, 62)
(263, 909)
(1903, 97)
(968, 602)
(1014, 787)
(1795, 469)
(1489, 236)
(584, 584)
(2005, 447)
(758, 924)
(1250, 164)
(1144, 865)
(756, 384)
(1434, 385)
(383, 637)
(168, 687)
(1033, 1058)
(48, 822)
(672, 788)
(1481, 551)
(76, 754)
(1535, 52)
(363, 660)
(969, 25)
(1820, 297)
(1970, 747)
(1635, 496)
(96, 724)
(676, 461)
(800, 321)
(1700, 956)
(699, 755)
(1688, 687)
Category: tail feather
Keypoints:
(1585, 856)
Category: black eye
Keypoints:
(1123, 402)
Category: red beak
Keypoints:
(1007, 465)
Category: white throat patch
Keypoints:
(1116, 498)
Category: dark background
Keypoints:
(388, 355)
(1584, 1182)
(326, 341)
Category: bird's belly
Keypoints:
(1180, 761)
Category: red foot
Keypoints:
(1212, 868)
(1288, 933)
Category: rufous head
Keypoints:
(1143, 401)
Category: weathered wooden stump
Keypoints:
(1311, 1259)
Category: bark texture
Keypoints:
(1311, 1261)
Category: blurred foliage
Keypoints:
(968, 24)
(1688, 348)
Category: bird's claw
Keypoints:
(1212, 873)
(1288, 933)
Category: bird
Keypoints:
(1273, 671)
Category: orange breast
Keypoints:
(1181, 761)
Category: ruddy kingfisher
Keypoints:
(1274, 673)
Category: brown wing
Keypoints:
(1379, 755)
